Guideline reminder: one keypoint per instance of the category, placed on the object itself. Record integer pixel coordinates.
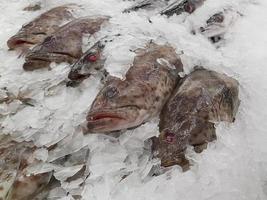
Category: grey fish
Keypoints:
(128, 103)
(38, 29)
(65, 45)
(201, 99)
(146, 4)
(182, 6)
(90, 62)
(217, 25)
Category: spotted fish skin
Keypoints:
(202, 98)
(65, 45)
(15, 183)
(44, 25)
(123, 104)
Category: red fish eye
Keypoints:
(170, 137)
(92, 58)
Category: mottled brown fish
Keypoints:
(128, 103)
(65, 45)
(44, 25)
(182, 6)
(202, 98)
(15, 183)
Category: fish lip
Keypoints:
(15, 42)
(103, 115)
(33, 64)
(33, 60)
(110, 120)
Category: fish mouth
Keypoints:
(15, 42)
(112, 120)
(36, 60)
(34, 64)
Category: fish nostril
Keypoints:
(170, 137)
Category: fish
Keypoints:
(124, 104)
(200, 100)
(90, 62)
(15, 183)
(218, 24)
(65, 45)
(181, 6)
(38, 29)
(146, 4)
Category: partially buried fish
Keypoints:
(15, 183)
(202, 98)
(90, 62)
(145, 4)
(182, 6)
(65, 45)
(44, 25)
(128, 103)
(217, 25)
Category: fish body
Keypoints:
(15, 183)
(65, 45)
(181, 6)
(217, 25)
(123, 104)
(44, 25)
(203, 98)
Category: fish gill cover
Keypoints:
(37, 106)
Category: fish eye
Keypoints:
(111, 92)
(169, 137)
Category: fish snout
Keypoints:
(18, 41)
(31, 65)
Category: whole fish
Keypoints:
(90, 62)
(202, 98)
(15, 183)
(217, 25)
(44, 25)
(128, 103)
(65, 45)
(181, 6)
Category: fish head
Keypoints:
(29, 35)
(91, 61)
(52, 49)
(119, 105)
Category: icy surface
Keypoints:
(234, 167)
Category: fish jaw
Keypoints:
(36, 60)
(114, 119)
(19, 42)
